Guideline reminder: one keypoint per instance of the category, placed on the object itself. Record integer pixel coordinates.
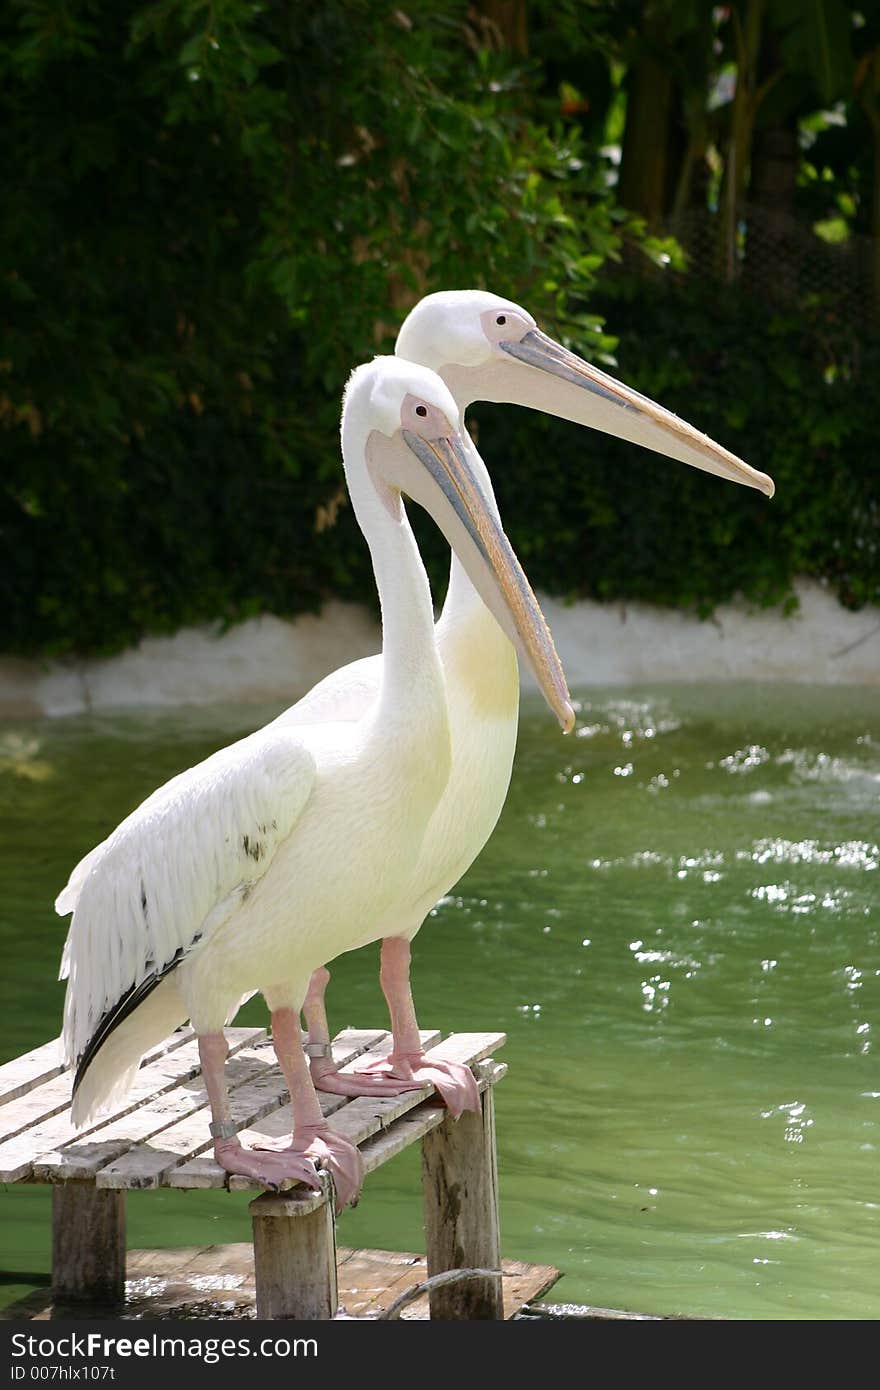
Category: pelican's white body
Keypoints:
(481, 677)
(327, 829)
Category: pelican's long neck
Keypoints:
(411, 673)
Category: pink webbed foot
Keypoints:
(453, 1082)
(356, 1083)
(321, 1147)
(273, 1168)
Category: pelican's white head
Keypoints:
(402, 436)
(376, 393)
(490, 349)
(460, 328)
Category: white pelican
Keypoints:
(486, 349)
(298, 842)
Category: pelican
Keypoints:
(485, 348)
(299, 842)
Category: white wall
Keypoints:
(266, 659)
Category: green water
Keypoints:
(676, 925)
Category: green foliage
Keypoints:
(789, 392)
(212, 211)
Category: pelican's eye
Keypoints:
(424, 419)
(508, 326)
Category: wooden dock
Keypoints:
(159, 1138)
(218, 1282)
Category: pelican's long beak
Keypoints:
(474, 532)
(580, 392)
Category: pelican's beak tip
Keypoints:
(770, 489)
(567, 718)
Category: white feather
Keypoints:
(170, 873)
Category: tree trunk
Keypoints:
(875, 214)
(509, 18)
(770, 265)
(746, 100)
(644, 181)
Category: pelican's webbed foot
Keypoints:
(326, 1077)
(319, 1146)
(275, 1170)
(453, 1082)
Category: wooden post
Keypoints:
(295, 1255)
(460, 1186)
(88, 1243)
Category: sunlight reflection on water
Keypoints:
(675, 923)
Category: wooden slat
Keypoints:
(40, 1144)
(521, 1283)
(412, 1127)
(22, 1074)
(372, 1279)
(54, 1097)
(149, 1165)
(356, 1119)
(367, 1115)
(161, 1095)
(406, 1130)
(258, 1087)
(167, 1101)
(45, 1099)
(218, 1281)
(204, 1171)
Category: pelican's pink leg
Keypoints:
(273, 1169)
(325, 1074)
(313, 1144)
(312, 1137)
(407, 1061)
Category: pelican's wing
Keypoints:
(172, 871)
(343, 696)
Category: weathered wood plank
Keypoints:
(218, 1281)
(367, 1115)
(356, 1119)
(295, 1258)
(36, 1105)
(203, 1172)
(521, 1283)
(52, 1097)
(78, 1158)
(34, 1154)
(150, 1164)
(88, 1244)
(460, 1187)
(153, 1078)
(22, 1074)
(162, 1263)
(371, 1280)
(40, 1097)
(144, 1166)
(411, 1127)
(405, 1130)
